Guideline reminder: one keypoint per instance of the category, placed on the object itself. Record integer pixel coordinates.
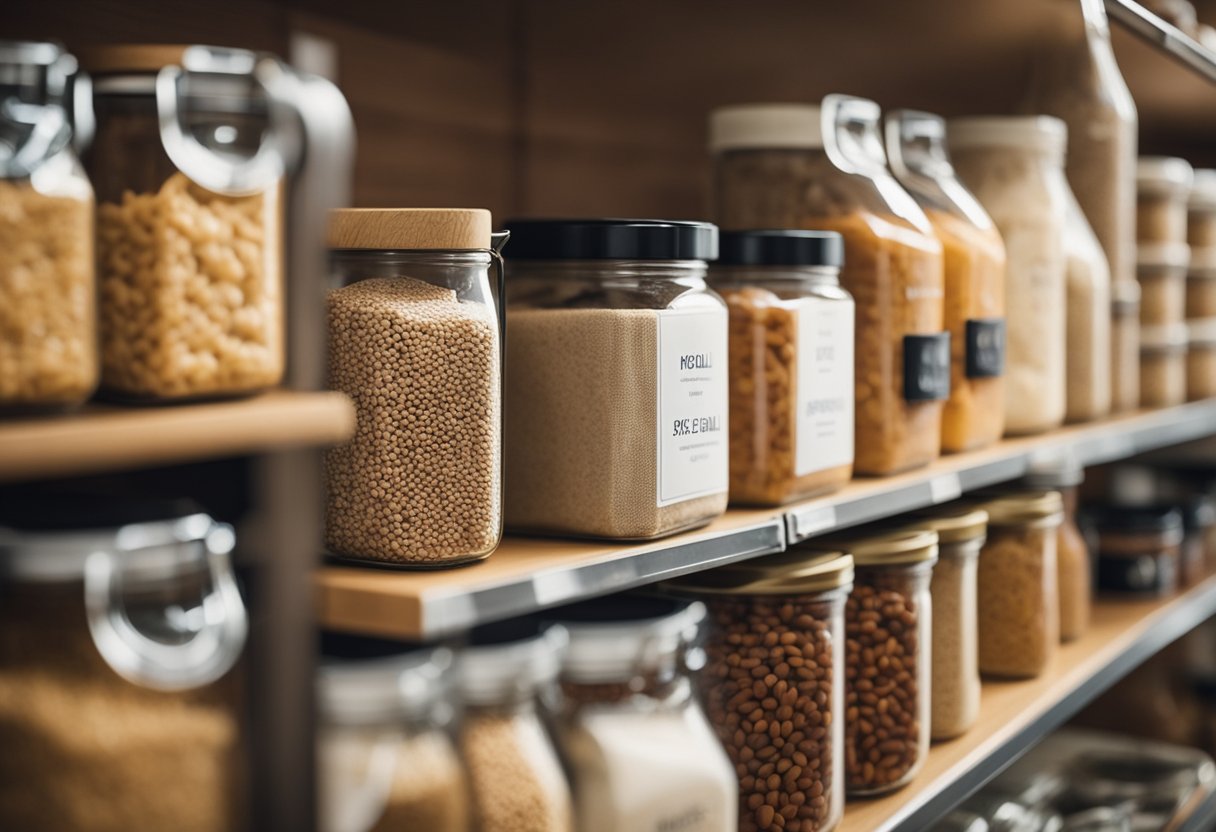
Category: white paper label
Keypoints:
(692, 376)
(824, 396)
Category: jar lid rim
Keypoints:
(409, 229)
(1011, 508)
(612, 239)
(877, 547)
(795, 571)
(761, 126)
(781, 247)
(953, 524)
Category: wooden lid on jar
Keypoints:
(793, 572)
(882, 546)
(953, 524)
(1032, 508)
(410, 229)
(130, 57)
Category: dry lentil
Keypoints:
(190, 294)
(1019, 608)
(420, 480)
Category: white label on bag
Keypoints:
(692, 377)
(823, 421)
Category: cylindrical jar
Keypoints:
(1087, 357)
(1161, 270)
(1138, 548)
(1125, 346)
(1201, 283)
(1198, 523)
(1019, 605)
(385, 760)
(1163, 365)
(955, 685)
(1074, 565)
(617, 379)
(775, 646)
(120, 707)
(823, 167)
(1201, 359)
(515, 777)
(1163, 184)
(1014, 166)
(888, 636)
(640, 751)
(1201, 211)
(791, 364)
(188, 163)
(48, 332)
(415, 341)
(974, 257)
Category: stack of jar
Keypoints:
(1201, 287)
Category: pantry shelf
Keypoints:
(1172, 40)
(107, 438)
(1016, 715)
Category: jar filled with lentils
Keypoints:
(1019, 602)
(823, 167)
(791, 364)
(640, 752)
(1074, 564)
(888, 629)
(415, 340)
(773, 684)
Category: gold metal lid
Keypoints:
(880, 547)
(130, 57)
(793, 572)
(406, 229)
(954, 524)
(1016, 507)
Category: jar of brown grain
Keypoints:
(1163, 365)
(1124, 346)
(773, 684)
(888, 631)
(1019, 606)
(823, 167)
(1163, 184)
(1074, 565)
(1201, 359)
(791, 364)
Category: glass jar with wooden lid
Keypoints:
(1074, 564)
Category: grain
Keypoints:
(771, 689)
(1163, 292)
(48, 349)
(582, 436)
(1074, 573)
(955, 685)
(190, 295)
(428, 789)
(516, 783)
(1019, 608)
(1162, 375)
(1201, 286)
(1201, 370)
(1088, 319)
(1125, 346)
(420, 481)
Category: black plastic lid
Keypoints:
(1199, 512)
(75, 511)
(1136, 519)
(612, 240)
(776, 247)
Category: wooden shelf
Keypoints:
(108, 438)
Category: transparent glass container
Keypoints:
(791, 364)
(415, 340)
(1161, 272)
(784, 613)
(188, 162)
(641, 753)
(1014, 166)
(824, 167)
(386, 761)
(1125, 346)
(1163, 365)
(1087, 358)
(1139, 548)
(1163, 184)
(1201, 284)
(974, 258)
(1074, 564)
(1201, 211)
(617, 379)
(1019, 602)
(1201, 359)
(123, 626)
(48, 331)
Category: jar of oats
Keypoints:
(415, 341)
(1074, 565)
(974, 415)
(824, 167)
(48, 334)
(791, 364)
(1163, 365)
(1124, 346)
(617, 378)
(385, 760)
(1019, 604)
(775, 651)
(1015, 167)
(955, 685)
(1201, 359)
(1087, 358)
(1163, 185)
(188, 163)
(888, 651)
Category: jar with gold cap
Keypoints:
(961, 531)
(775, 669)
(1074, 566)
(415, 339)
(1019, 606)
(888, 629)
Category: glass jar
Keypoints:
(823, 167)
(1087, 358)
(1201, 211)
(119, 705)
(1201, 359)
(1019, 603)
(640, 751)
(784, 613)
(791, 364)
(1014, 166)
(888, 632)
(1163, 365)
(386, 761)
(617, 379)
(1125, 346)
(1138, 548)
(188, 164)
(1201, 283)
(515, 777)
(955, 683)
(1074, 565)
(974, 257)
(1161, 272)
(48, 333)
(415, 340)
(1163, 184)
(1198, 523)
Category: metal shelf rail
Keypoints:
(1176, 43)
